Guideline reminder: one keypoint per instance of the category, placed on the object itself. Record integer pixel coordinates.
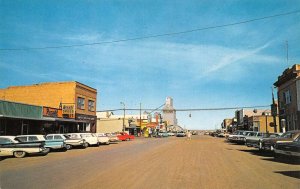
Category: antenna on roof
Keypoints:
(287, 52)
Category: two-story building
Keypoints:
(288, 93)
(69, 106)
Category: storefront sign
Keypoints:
(85, 117)
(68, 110)
(51, 112)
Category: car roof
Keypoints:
(10, 137)
(27, 135)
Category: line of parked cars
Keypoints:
(287, 143)
(22, 145)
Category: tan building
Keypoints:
(262, 123)
(107, 122)
(227, 124)
(77, 101)
(288, 92)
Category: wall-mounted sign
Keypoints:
(85, 117)
(51, 112)
(68, 110)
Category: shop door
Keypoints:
(24, 129)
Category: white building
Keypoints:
(169, 113)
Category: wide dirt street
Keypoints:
(203, 162)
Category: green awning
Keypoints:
(13, 109)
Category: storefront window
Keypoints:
(80, 103)
(91, 105)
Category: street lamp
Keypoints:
(123, 115)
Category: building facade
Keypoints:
(288, 93)
(262, 123)
(76, 101)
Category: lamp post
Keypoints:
(123, 115)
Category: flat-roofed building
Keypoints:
(288, 93)
(77, 102)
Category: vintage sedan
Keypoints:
(112, 137)
(70, 142)
(268, 143)
(90, 139)
(288, 148)
(125, 136)
(10, 146)
(162, 134)
(58, 144)
(102, 138)
(180, 134)
(253, 139)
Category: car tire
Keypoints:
(85, 145)
(68, 147)
(19, 154)
(107, 143)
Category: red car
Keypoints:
(124, 136)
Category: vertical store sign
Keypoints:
(68, 110)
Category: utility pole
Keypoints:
(140, 116)
(123, 115)
(274, 112)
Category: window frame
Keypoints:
(91, 108)
(81, 106)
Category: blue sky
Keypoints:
(223, 67)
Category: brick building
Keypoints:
(76, 101)
(288, 93)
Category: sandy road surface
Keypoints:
(203, 162)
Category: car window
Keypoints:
(22, 139)
(67, 136)
(287, 135)
(5, 141)
(32, 138)
(49, 137)
(57, 137)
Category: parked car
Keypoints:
(255, 141)
(112, 137)
(102, 138)
(124, 136)
(162, 134)
(268, 143)
(288, 148)
(49, 144)
(88, 137)
(238, 137)
(171, 133)
(70, 142)
(180, 134)
(10, 146)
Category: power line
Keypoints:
(152, 36)
(190, 109)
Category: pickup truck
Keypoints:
(58, 144)
(10, 146)
(124, 136)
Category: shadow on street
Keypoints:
(294, 174)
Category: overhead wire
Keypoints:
(190, 109)
(152, 36)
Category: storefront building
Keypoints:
(72, 105)
(288, 92)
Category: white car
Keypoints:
(70, 142)
(88, 137)
(171, 133)
(102, 138)
(10, 146)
